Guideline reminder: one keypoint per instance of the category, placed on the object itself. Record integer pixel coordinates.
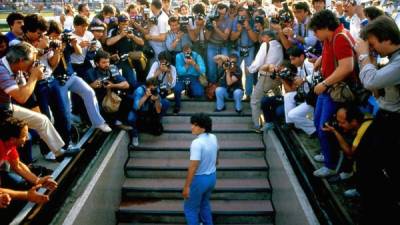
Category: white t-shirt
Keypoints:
(355, 26)
(204, 149)
(153, 69)
(44, 59)
(79, 59)
(69, 23)
(162, 27)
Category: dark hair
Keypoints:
(202, 120)
(373, 12)
(11, 128)
(54, 27)
(302, 6)
(314, 1)
(80, 20)
(383, 28)
(12, 17)
(164, 55)
(199, 8)
(130, 6)
(143, 2)
(233, 55)
(288, 65)
(3, 38)
(324, 19)
(101, 54)
(173, 19)
(353, 112)
(151, 82)
(295, 51)
(157, 4)
(261, 12)
(34, 22)
(80, 6)
(108, 9)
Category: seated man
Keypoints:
(13, 133)
(149, 108)
(164, 72)
(230, 83)
(105, 77)
(189, 66)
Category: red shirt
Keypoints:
(341, 48)
(7, 153)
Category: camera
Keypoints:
(66, 37)
(211, 18)
(259, 19)
(53, 44)
(312, 52)
(153, 20)
(314, 79)
(183, 22)
(241, 19)
(124, 57)
(163, 90)
(154, 91)
(200, 17)
(37, 63)
(62, 78)
(228, 64)
(137, 18)
(188, 55)
(284, 74)
(105, 81)
(129, 30)
(167, 64)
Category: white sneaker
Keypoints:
(345, 176)
(50, 156)
(351, 193)
(105, 128)
(319, 158)
(135, 141)
(324, 172)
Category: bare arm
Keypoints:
(193, 165)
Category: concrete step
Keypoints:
(191, 107)
(177, 168)
(171, 211)
(186, 224)
(184, 153)
(172, 141)
(169, 188)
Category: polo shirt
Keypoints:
(7, 82)
(7, 153)
(204, 149)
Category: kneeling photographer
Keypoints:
(164, 72)
(110, 88)
(149, 107)
(230, 84)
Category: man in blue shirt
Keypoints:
(176, 37)
(189, 66)
(15, 22)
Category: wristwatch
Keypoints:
(361, 57)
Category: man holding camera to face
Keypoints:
(164, 72)
(230, 83)
(190, 66)
(149, 107)
(178, 36)
(197, 30)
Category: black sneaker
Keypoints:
(176, 110)
(220, 110)
(239, 111)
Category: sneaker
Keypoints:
(351, 193)
(71, 151)
(220, 110)
(176, 110)
(324, 172)
(345, 176)
(104, 127)
(239, 111)
(50, 156)
(319, 158)
(135, 141)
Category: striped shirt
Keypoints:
(7, 82)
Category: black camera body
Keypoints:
(184, 22)
(284, 74)
(138, 18)
(229, 64)
(188, 55)
(154, 91)
(163, 90)
(153, 20)
(37, 63)
(167, 64)
(313, 52)
(66, 37)
(54, 44)
(210, 19)
(62, 78)
(259, 19)
(129, 30)
(104, 81)
(241, 19)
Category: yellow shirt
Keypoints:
(360, 133)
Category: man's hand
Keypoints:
(200, 23)
(259, 27)
(186, 192)
(361, 47)
(246, 25)
(180, 35)
(5, 200)
(84, 44)
(48, 183)
(115, 57)
(320, 88)
(239, 27)
(123, 33)
(215, 25)
(298, 81)
(148, 92)
(269, 68)
(37, 72)
(276, 27)
(328, 128)
(109, 85)
(288, 31)
(154, 97)
(36, 197)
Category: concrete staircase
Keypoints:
(156, 171)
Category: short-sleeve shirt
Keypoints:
(225, 24)
(204, 149)
(162, 27)
(360, 133)
(123, 45)
(236, 85)
(339, 50)
(7, 153)
(76, 58)
(244, 39)
(7, 82)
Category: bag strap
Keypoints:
(355, 61)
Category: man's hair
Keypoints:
(11, 128)
(353, 112)
(151, 82)
(156, 3)
(108, 9)
(234, 56)
(295, 51)
(314, 1)
(173, 19)
(34, 22)
(130, 6)
(164, 55)
(291, 67)
(383, 28)
(4, 39)
(202, 120)
(302, 6)
(199, 8)
(22, 50)
(54, 27)
(81, 6)
(81, 21)
(12, 17)
(101, 54)
(373, 12)
(324, 19)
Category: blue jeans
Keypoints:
(197, 207)
(250, 81)
(127, 72)
(49, 95)
(221, 93)
(272, 108)
(213, 50)
(195, 88)
(78, 86)
(324, 110)
(133, 117)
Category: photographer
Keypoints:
(283, 21)
(245, 35)
(165, 73)
(197, 30)
(297, 106)
(123, 41)
(177, 36)
(149, 108)
(230, 84)
(218, 28)
(190, 66)
(378, 165)
(69, 81)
